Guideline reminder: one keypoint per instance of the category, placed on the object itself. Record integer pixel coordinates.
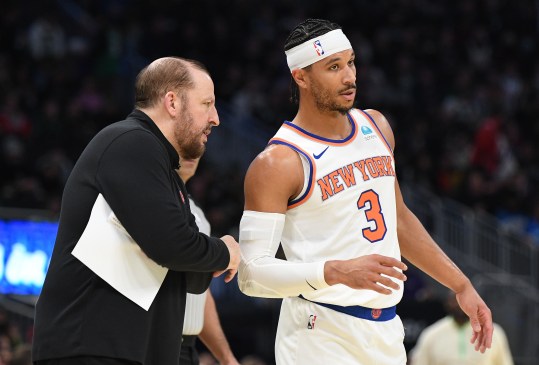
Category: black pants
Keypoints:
(189, 353)
(86, 360)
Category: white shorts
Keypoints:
(310, 334)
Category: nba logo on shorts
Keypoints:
(318, 48)
(376, 313)
(310, 324)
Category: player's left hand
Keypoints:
(480, 317)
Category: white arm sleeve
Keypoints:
(260, 274)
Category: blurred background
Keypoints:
(458, 81)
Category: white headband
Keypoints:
(316, 49)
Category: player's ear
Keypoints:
(299, 75)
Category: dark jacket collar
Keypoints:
(172, 153)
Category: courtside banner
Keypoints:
(25, 251)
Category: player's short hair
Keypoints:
(164, 75)
(304, 31)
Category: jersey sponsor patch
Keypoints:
(365, 130)
(367, 133)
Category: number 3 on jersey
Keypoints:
(373, 214)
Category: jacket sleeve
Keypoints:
(136, 179)
(198, 282)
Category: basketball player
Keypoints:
(326, 189)
(201, 317)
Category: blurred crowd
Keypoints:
(458, 81)
(15, 338)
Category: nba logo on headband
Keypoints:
(311, 51)
(318, 47)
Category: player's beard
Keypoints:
(188, 139)
(326, 102)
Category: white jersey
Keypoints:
(194, 306)
(347, 207)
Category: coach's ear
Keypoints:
(299, 76)
(172, 103)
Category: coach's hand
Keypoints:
(235, 257)
(366, 272)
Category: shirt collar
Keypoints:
(172, 153)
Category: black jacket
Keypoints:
(132, 164)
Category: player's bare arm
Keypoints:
(212, 334)
(418, 247)
(274, 177)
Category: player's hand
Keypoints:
(235, 257)
(480, 317)
(372, 272)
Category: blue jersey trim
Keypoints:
(351, 135)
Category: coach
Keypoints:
(80, 319)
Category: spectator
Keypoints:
(446, 342)
(22, 355)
